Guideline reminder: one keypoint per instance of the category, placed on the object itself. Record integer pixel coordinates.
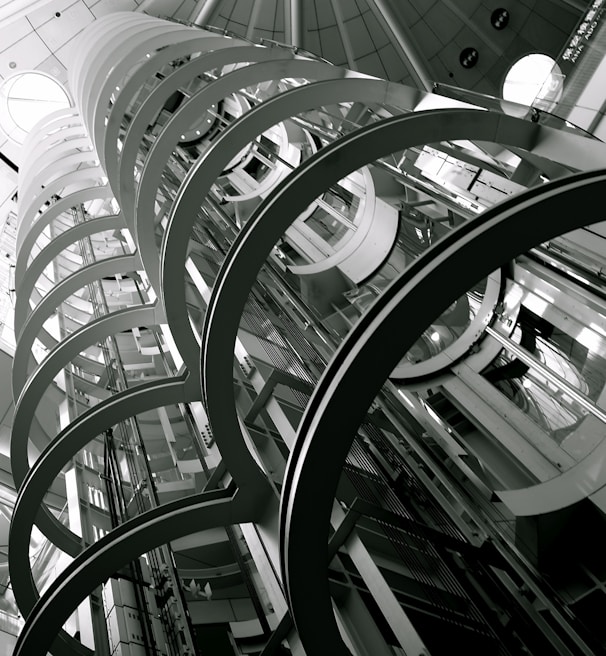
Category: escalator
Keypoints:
(450, 414)
(465, 408)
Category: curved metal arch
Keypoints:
(218, 391)
(106, 136)
(161, 35)
(326, 167)
(52, 250)
(97, 44)
(54, 123)
(49, 140)
(29, 213)
(51, 144)
(166, 142)
(58, 358)
(234, 451)
(45, 176)
(69, 260)
(83, 361)
(34, 322)
(225, 424)
(69, 115)
(241, 132)
(46, 156)
(429, 285)
(37, 384)
(221, 56)
(120, 165)
(130, 45)
(584, 480)
(74, 437)
(208, 168)
(29, 237)
(205, 171)
(67, 129)
(147, 531)
(97, 32)
(411, 374)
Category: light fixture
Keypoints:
(469, 57)
(499, 18)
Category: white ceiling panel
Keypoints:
(47, 13)
(26, 53)
(14, 32)
(57, 32)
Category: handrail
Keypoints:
(535, 114)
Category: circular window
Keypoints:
(26, 98)
(535, 80)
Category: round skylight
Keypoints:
(534, 80)
(25, 99)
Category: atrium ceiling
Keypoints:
(385, 37)
(416, 42)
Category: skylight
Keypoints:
(25, 99)
(534, 80)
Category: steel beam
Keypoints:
(293, 22)
(414, 59)
(203, 11)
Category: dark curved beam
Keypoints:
(212, 163)
(73, 438)
(382, 336)
(121, 546)
(226, 427)
(218, 389)
(272, 217)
